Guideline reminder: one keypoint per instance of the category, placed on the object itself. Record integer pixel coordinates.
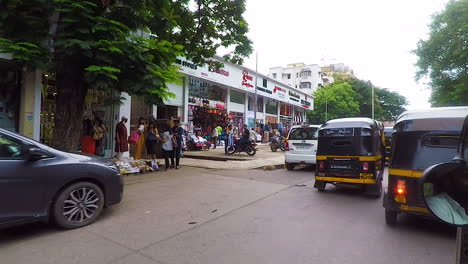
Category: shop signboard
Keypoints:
(242, 79)
(247, 79)
(280, 92)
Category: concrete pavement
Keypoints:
(234, 216)
(211, 159)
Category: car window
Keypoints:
(307, 133)
(11, 148)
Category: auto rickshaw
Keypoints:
(420, 140)
(350, 151)
(388, 131)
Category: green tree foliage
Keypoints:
(443, 57)
(344, 96)
(340, 99)
(126, 45)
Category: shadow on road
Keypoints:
(27, 231)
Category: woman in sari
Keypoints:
(142, 130)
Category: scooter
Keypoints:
(249, 148)
(277, 143)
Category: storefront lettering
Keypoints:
(264, 90)
(294, 99)
(293, 94)
(213, 67)
(246, 79)
(186, 64)
(304, 102)
(280, 91)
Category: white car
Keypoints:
(301, 145)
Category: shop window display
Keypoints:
(9, 100)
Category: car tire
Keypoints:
(390, 217)
(290, 166)
(78, 205)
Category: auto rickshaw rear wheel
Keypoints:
(374, 190)
(320, 185)
(390, 217)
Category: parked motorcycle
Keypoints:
(249, 147)
(277, 143)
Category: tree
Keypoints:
(341, 101)
(387, 105)
(127, 45)
(443, 57)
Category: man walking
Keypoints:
(177, 132)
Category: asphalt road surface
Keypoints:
(230, 217)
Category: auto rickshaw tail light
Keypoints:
(365, 166)
(322, 165)
(401, 185)
(286, 145)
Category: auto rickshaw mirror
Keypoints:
(444, 186)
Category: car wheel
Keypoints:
(78, 205)
(290, 166)
(390, 217)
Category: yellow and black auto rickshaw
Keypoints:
(350, 151)
(388, 131)
(420, 139)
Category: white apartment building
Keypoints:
(306, 78)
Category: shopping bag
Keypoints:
(133, 139)
(154, 165)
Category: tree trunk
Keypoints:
(70, 102)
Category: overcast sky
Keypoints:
(374, 37)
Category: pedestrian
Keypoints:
(177, 132)
(88, 144)
(220, 132)
(253, 135)
(167, 147)
(152, 138)
(228, 138)
(121, 138)
(142, 128)
(99, 136)
(214, 135)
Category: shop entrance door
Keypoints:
(9, 99)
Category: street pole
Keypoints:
(255, 100)
(462, 245)
(326, 109)
(372, 101)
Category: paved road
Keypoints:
(239, 216)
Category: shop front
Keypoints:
(286, 113)
(206, 103)
(10, 87)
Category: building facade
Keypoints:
(306, 78)
(27, 101)
(232, 89)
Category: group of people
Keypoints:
(93, 140)
(148, 136)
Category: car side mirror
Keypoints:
(444, 186)
(33, 153)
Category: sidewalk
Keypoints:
(216, 159)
